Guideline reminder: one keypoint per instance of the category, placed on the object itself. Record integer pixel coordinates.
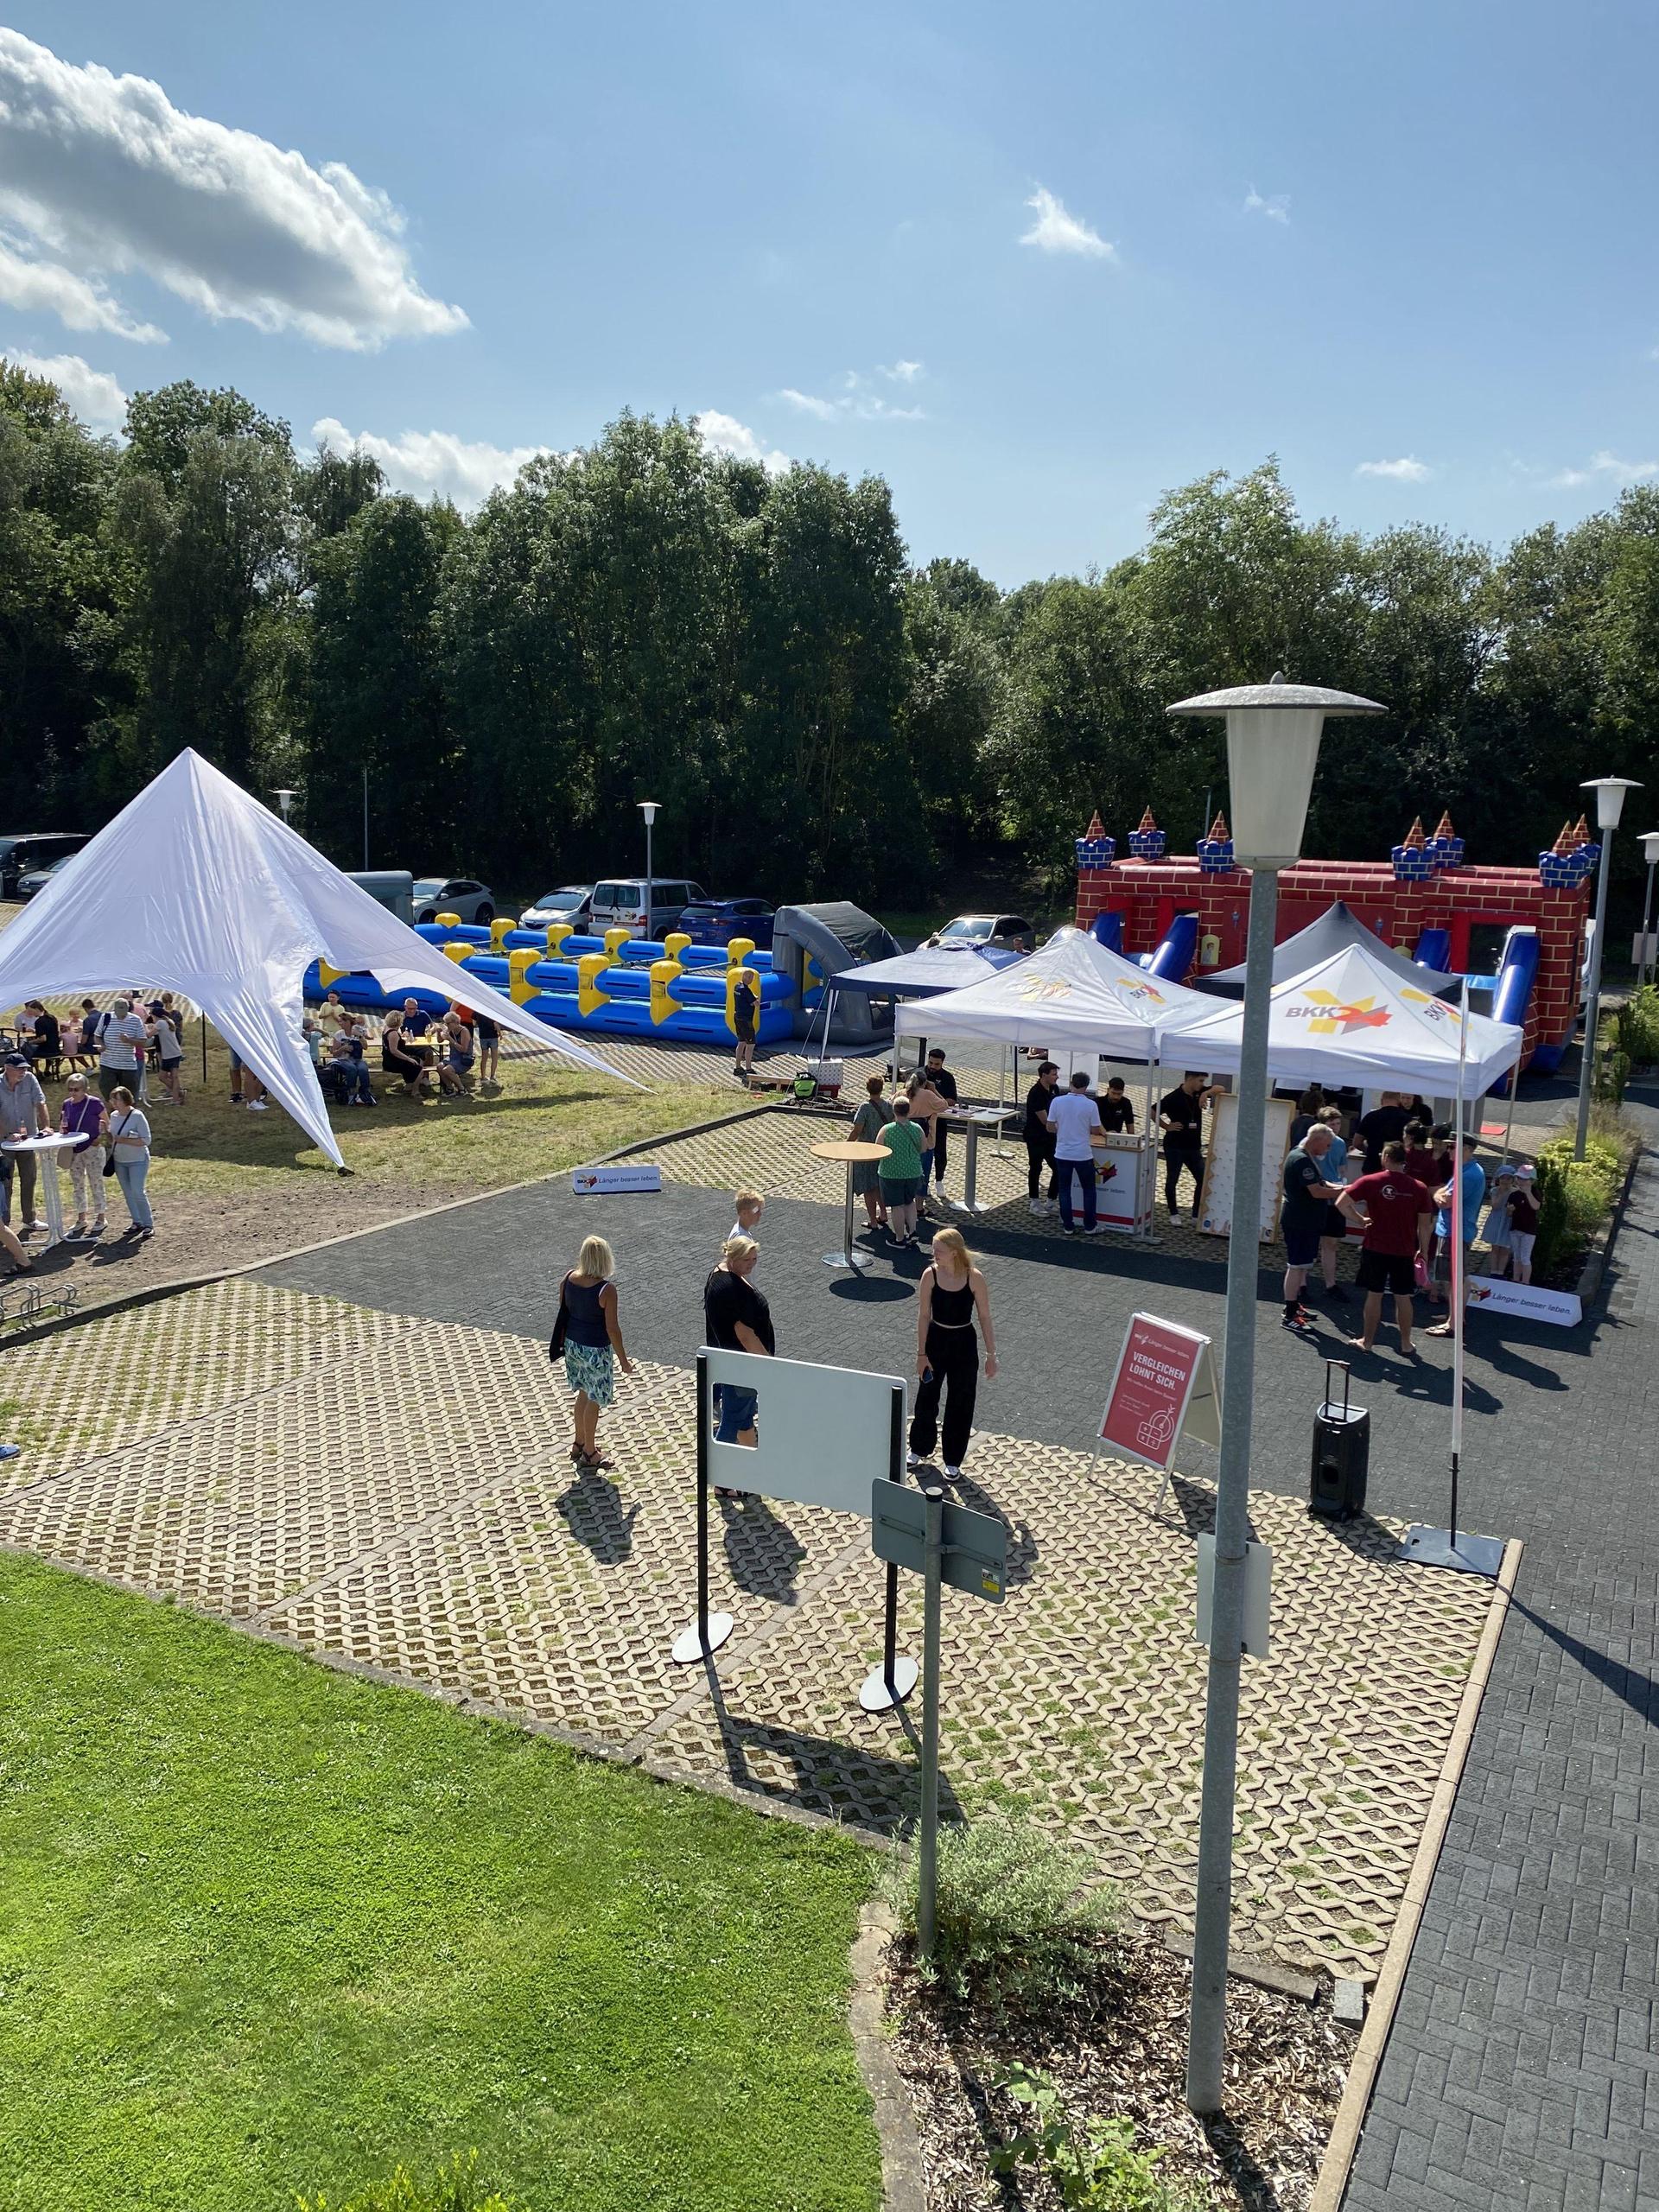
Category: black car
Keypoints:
(22, 855)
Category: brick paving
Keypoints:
(1523, 2068)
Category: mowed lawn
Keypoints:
(265, 1931)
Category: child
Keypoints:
(1495, 1228)
(750, 1206)
(1523, 1223)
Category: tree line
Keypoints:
(646, 618)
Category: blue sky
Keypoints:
(1416, 238)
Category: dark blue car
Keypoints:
(717, 921)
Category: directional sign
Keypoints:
(975, 1544)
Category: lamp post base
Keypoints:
(692, 1644)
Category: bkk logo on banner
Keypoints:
(1497, 1294)
(585, 1181)
(1165, 1382)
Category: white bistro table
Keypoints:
(975, 1120)
(47, 1150)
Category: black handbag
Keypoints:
(556, 1346)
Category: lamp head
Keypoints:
(1273, 746)
(1610, 798)
(285, 800)
(648, 808)
(1650, 847)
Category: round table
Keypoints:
(855, 1155)
(48, 1150)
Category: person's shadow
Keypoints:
(591, 1510)
(763, 1552)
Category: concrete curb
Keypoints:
(1601, 1244)
(903, 2186)
(1338, 2160)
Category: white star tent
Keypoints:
(1350, 1020)
(196, 888)
(1076, 993)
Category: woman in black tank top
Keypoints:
(953, 1293)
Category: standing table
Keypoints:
(855, 1155)
(48, 1150)
(974, 1119)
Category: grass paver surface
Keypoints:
(267, 1929)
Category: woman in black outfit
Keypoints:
(1040, 1140)
(396, 1059)
(947, 1352)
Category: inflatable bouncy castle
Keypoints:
(1516, 933)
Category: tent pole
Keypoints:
(204, 1050)
(1509, 1128)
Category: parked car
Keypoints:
(717, 921)
(620, 903)
(38, 878)
(572, 905)
(1011, 930)
(452, 895)
(24, 854)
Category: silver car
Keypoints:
(574, 905)
(452, 895)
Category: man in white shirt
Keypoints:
(126, 1041)
(1075, 1119)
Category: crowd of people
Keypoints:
(1412, 1221)
(455, 1049)
(953, 1321)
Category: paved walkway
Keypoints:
(1524, 2069)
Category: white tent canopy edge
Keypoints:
(196, 888)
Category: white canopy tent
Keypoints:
(1075, 993)
(1351, 1020)
(196, 888)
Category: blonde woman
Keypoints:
(951, 1292)
(590, 1335)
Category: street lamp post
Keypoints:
(648, 808)
(1272, 744)
(285, 799)
(1610, 801)
(1644, 967)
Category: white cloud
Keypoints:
(1275, 205)
(423, 461)
(1607, 468)
(1407, 470)
(725, 434)
(97, 398)
(44, 286)
(107, 176)
(857, 401)
(1055, 231)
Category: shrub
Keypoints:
(1637, 1026)
(1576, 1196)
(453, 2188)
(1093, 2166)
(1014, 1923)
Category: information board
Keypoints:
(587, 1182)
(1165, 1384)
(1217, 1219)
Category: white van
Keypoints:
(620, 903)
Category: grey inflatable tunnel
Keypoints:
(833, 935)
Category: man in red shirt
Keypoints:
(1393, 1202)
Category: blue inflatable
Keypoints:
(635, 987)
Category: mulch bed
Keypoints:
(1120, 2048)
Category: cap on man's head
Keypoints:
(15, 1061)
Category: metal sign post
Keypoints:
(892, 1683)
(931, 1535)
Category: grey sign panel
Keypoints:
(974, 1545)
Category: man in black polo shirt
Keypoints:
(1180, 1115)
(945, 1083)
(1116, 1115)
(1040, 1140)
(1384, 1124)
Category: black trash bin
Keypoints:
(1342, 1453)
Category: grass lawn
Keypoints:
(267, 1930)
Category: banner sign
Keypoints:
(1164, 1383)
(585, 1181)
(1497, 1294)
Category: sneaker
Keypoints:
(237, 1098)
(1098, 1230)
(97, 1227)
(256, 1105)
(953, 1474)
(1037, 1207)
(913, 1461)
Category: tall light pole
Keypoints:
(1273, 746)
(285, 799)
(1650, 853)
(1610, 803)
(648, 808)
